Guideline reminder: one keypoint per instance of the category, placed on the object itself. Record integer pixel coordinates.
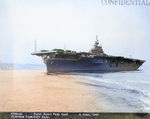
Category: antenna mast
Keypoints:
(35, 45)
(65, 47)
(96, 42)
(96, 37)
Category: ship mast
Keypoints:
(65, 47)
(35, 45)
(96, 42)
(97, 50)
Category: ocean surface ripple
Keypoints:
(126, 91)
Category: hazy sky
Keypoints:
(123, 30)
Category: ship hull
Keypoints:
(96, 64)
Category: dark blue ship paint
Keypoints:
(97, 64)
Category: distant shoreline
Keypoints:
(15, 66)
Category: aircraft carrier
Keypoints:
(58, 60)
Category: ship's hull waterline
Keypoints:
(98, 64)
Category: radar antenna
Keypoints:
(97, 50)
(96, 42)
(96, 37)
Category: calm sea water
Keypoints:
(12, 66)
(126, 91)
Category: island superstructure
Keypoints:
(58, 60)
